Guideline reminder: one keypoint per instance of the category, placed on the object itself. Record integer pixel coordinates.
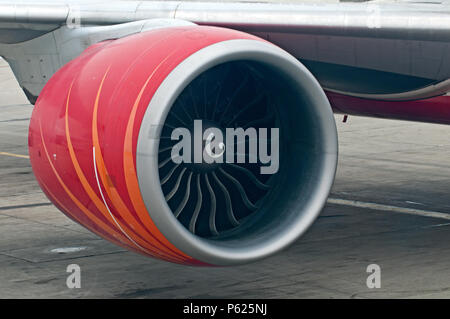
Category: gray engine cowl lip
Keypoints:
(209, 251)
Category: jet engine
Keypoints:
(102, 144)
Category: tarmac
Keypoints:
(389, 206)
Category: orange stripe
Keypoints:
(93, 196)
(99, 223)
(130, 172)
(112, 191)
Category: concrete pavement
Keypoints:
(389, 172)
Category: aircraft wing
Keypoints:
(407, 39)
(405, 20)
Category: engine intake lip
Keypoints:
(259, 239)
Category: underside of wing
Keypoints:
(381, 50)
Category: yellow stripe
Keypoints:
(14, 155)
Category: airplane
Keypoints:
(112, 80)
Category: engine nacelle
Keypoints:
(101, 144)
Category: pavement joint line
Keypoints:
(82, 231)
(15, 257)
(15, 120)
(24, 206)
(49, 224)
(16, 105)
(388, 208)
(14, 155)
(93, 254)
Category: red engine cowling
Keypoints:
(95, 145)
